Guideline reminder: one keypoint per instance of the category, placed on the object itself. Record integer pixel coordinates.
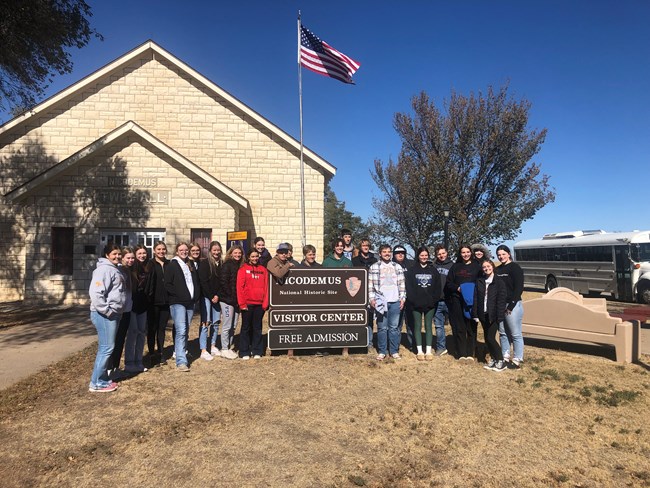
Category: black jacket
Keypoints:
(443, 268)
(496, 300)
(228, 287)
(155, 288)
(359, 261)
(140, 281)
(513, 276)
(176, 287)
(461, 273)
(210, 283)
(423, 289)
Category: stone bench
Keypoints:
(563, 314)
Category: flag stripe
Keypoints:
(323, 64)
(321, 58)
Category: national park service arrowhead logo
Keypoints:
(353, 285)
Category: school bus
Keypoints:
(615, 264)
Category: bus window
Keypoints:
(640, 252)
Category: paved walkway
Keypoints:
(27, 349)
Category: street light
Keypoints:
(446, 212)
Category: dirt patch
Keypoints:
(562, 420)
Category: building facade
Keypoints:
(144, 149)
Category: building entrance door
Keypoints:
(130, 237)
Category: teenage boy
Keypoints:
(406, 316)
(443, 264)
(279, 265)
(309, 261)
(387, 294)
(348, 248)
(365, 259)
(290, 255)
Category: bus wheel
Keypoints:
(643, 293)
(551, 283)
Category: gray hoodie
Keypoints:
(107, 290)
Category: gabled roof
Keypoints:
(156, 50)
(126, 129)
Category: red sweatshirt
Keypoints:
(253, 286)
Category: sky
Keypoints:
(583, 65)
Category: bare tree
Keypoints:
(474, 161)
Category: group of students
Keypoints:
(132, 298)
(424, 292)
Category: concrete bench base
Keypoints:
(563, 314)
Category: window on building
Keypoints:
(202, 237)
(62, 250)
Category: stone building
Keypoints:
(144, 149)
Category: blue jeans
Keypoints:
(182, 317)
(510, 332)
(369, 324)
(135, 338)
(211, 320)
(388, 329)
(439, 321)
(106, 330)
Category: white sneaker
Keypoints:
(228, 354)
(396, 356)
(207, 356)
(257, 356)
(215, 352)
(245, 358)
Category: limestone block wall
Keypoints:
(191, 119)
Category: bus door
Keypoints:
(623, 273)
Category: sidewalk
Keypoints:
(26, 349)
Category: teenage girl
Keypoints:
(464, 270)
(210, 307)
(253, 299)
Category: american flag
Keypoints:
(322, 58)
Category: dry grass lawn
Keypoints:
(564, 419)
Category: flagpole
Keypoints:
(302, 163)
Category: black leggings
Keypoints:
(463, 329)
(490, 330)
(250, 335)
(157, 318)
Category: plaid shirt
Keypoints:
(373, 280)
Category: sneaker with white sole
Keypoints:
(245, 358)
(396, 356)
(499, 366)
(490, 364)
(380, 357)
(228, 354)
(257, 356)
(103, 389)
(515, 363)
(215, 352)
(206, 356)
(441, 352)
(183, 368)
